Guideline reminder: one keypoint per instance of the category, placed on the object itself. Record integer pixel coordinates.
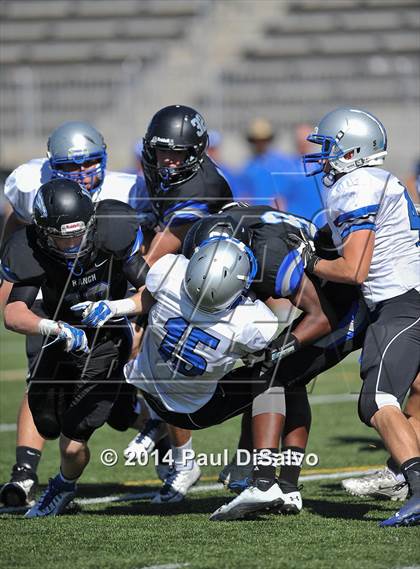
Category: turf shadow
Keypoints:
(110, 489)
(367, 444)
(137, 507)
(344, 510)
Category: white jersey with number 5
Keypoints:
(374, 199)
(23, 183)
(186, 351)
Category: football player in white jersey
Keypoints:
(375, 223)
(76, 151)
(202, 324)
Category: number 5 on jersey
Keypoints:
(185, 359)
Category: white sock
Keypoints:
(182, 462)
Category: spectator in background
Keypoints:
(213, 150)
(303, 196)
(137, 167)
(413, 183)
(265, 176)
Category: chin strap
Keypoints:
(329, 180)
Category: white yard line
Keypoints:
(170, 566)
(7, 427)
(208, 487)
(132, 497)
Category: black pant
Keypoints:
(391, 354)
(75, 394)
(234, 394)
(236, 391)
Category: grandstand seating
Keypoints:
(322, 53)
(91, 59)
(67, 58)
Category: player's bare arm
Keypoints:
(19, 318)
(168, 241)
(353, 266)
(316, 322)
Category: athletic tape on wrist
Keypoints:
(123, 307)
(48, 327)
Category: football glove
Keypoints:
(284, 345)
(95, 314)
(74, 338)
(306, 250)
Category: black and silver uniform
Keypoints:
(72, 393)
(102, 274)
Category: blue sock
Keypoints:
(65, 481)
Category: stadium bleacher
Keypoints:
(344, 51)
(62, 59)
(91, 59)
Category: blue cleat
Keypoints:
(236, 477)
(239, 485)
(54, 499)
(408, 515)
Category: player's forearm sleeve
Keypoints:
(136, 270)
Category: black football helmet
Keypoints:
(174, 128)
(214, 226)
(64, 210)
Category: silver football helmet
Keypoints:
(219, 273)
(349, 139)
(76, 142)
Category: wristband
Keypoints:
(122, 307)
(310, 267)
(283, 346)
(48, 327)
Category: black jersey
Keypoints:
(101, 274)
(280, 266)
(203, 194)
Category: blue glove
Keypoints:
(95, 314)
(75, 339)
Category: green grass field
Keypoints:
(334, 530)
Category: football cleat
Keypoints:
(21, 489)
(383, 484)
(54, 499)
(236, 477)
(177, 485)
(145, 441)
(408, 515)
(292, 498)
(262, 496)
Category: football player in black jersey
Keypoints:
(77, 151)
(332, 324)
(74, 254)
(184, 185)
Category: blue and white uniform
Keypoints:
(186, 351)
(23, 183)
(375, 200)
